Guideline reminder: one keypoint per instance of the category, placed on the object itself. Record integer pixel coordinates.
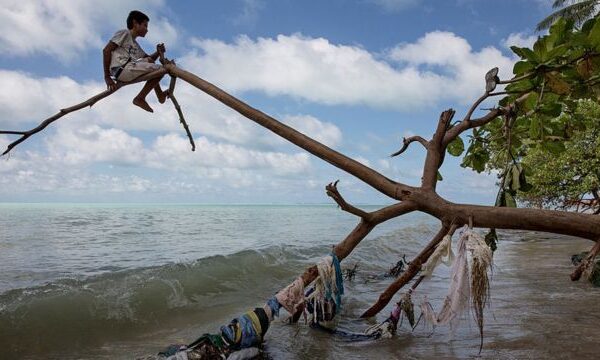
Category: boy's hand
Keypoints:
(160, 48)
(110, 84)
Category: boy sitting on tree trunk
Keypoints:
(124, 60)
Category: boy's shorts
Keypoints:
(135, 69)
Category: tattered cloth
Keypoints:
(292, 297)
(247, 330)
(324, 297)
(459, 293)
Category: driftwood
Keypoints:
(423, 198)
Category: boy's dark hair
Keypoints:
(137, 16)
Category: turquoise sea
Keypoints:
(123, 281)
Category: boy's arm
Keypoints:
(106, 56)
(155, 55)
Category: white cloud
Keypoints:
(74, 162)
(63, 29)
(77, 146)
(324, 132)
(394, 5)
(519, 39)
(440, 66)
(173, 151)
(249, 13)
(87, 144)
(463, 69)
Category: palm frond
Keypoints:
(557, 4)
(578, 11)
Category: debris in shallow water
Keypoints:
(480, 284)
(408, 308)
(442, 254)
(398, 269)
(350, 273)
(461, 290)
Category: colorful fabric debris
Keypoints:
(247, 330)
(324, 297)
(292, 297)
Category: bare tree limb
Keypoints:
(89, 102)
(333, 193)
(408, 141)
(413, 268)
(345, 247)
(171, 95)
(474, 106)
(435, 151)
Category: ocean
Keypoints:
(106, 281)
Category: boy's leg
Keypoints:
(140, 99)
(138, 69)
(160, 95)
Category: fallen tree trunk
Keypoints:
(423, 198)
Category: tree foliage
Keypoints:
(551, 125)
(571, 179)
(577, 10)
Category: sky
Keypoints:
(357, 75)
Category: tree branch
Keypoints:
(515, 79)
(474, 106)
(410, 272)
(345, 247)
(408, 141)
(333, 193)
(89, 102)
(178, 108)
(436, 151)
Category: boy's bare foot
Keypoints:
(162, 97)
(143, 104)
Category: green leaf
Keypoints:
(510, 200)
(456, 147)
(515, 184)
(559, 28)
(557, 52)
(479, 161)
(439, 176)
(522, 67)
(554, 147)
(520, 86)
(588, 25)
(525, 54)
(594, 34)
(540, 48)
(535, 128)
(500, 199)
(529, 103)
(524, 186)
(507, 181)
(551, 109)
(507, 100)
